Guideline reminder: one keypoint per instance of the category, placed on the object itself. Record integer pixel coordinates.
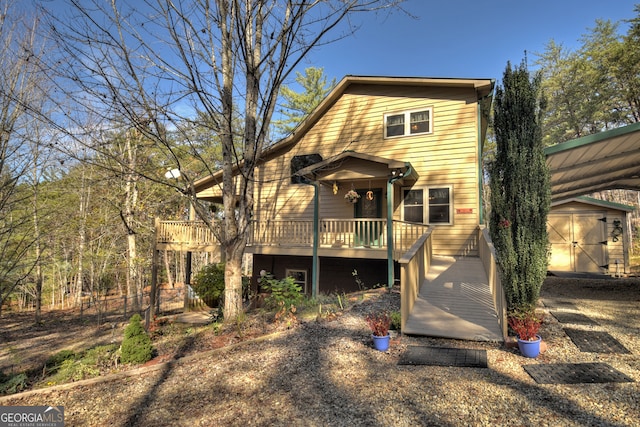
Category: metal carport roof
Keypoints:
(603, 161)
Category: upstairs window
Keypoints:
(407, 123)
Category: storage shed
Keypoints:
(589, 235)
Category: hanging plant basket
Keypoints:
(352, 196)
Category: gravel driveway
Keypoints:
(327, 373)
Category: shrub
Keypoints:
(136, 346)
(74, 370)
(102, 357)
(14, 384)
(520, 189)
(396, 320)
(284, 295)
(209, 284)
(53, 362)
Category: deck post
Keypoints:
(187, 281)
(394, 177)
(154, 269)
(316, 239)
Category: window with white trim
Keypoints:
(407, 123)
(299, 277)
(428, 205)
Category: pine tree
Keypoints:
(520, 190)
(299, 105)
(136, 345)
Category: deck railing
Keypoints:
(290, 232)
(414, 265)
(488, 257)
(405, 234)
(194, 233)
(333, 232)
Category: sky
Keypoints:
(463, 38)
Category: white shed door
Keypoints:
(577, 241)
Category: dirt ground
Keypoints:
(325, 373)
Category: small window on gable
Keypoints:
(301, 162)
(407, 123)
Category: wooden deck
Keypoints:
(455, 302)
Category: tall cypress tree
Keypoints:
(520, 190)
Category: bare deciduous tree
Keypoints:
(162, 64)
(20, 87)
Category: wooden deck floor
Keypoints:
(455, 302)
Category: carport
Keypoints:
(605, 161)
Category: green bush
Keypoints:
(136, 346)
(54, 362)
(14, 384)
(74, 370)
(396, 320)
(284, 294)
(103, 356)
(209, 284)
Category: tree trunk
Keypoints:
(130, 203)
(85, 190)
(38, 251)
(233, 282)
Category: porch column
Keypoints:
(316, 240)
(395, 177)
(390, 232)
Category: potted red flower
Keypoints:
(526, 324)
(379, 324)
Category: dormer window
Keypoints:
(407, 123)
(301, 162)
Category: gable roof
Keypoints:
(354, 166)
(595, 202)
(482, 87)
(602, 161)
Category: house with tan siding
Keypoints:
(409, 147)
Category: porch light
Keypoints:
(172, 174)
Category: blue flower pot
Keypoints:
(529, 348)
(380, 343)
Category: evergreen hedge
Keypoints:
(136, 346)
(520, 188)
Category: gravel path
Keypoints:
(327, 373)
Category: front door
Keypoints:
(369, 205)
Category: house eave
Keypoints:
(482, 86)
(366, 167)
